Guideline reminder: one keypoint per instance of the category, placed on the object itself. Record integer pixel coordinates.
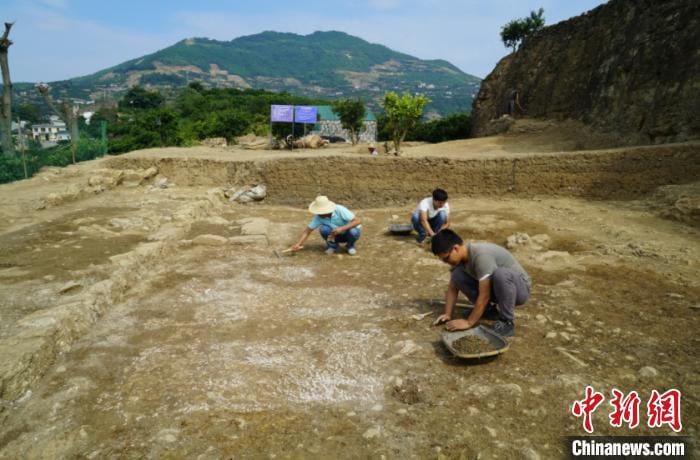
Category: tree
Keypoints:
(6, 108)
(402, 113)
(66, 112)
(513, 33)
(140, 98)
(145, 128)
(351, 114)
(455, 126)
(28, 112)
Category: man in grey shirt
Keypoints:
(487, 274)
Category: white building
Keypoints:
(50, 133)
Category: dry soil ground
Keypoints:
(217, 348)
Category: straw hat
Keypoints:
(321, 205)
(370, 146)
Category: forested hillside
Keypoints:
(323, 64)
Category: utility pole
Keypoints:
(22, 147)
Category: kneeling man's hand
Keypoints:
(458, 325)
(441, 319)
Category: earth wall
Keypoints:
(362, 181)
(628, 67)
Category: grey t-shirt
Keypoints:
(485, 258)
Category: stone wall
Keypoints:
(334, 128)
(630, 67)
(383, 180)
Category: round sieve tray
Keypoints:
(498, 343)
(400, 229)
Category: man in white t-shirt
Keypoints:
(431, 215)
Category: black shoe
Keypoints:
(491, 312)
(504, 328)
(419, 239)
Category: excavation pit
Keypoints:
(187, 347)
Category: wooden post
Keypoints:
(22, 147)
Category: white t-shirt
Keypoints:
(426, 204)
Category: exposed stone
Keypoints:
(136, 177)
(517, 239)
(648, 372)
(512, 390)
(372, 432)
(571, 356)
(247, 194)
(404, 348)
(567, 380)
(167, 435)
(210, 240)
(216, 220)
(214, 142)
(310, 141)
(254, 226)
(543, 240)
(479, 391)
(69, 286)
(249, 239)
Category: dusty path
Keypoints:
(227, 350)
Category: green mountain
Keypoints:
(321, 65)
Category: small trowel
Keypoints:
(279, 253)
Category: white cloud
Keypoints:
(58, 47)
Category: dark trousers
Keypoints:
(435, 223)
(349, 236)
(508, 289)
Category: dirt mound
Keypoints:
(679, 202)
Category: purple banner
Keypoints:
(282, 113)
(305, 114)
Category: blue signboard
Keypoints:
(282, 113)
(305, 114)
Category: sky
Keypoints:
(61, 39)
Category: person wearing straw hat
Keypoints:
(372, 150)
(335, 223)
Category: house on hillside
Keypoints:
(50, 133)
(329, 125)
